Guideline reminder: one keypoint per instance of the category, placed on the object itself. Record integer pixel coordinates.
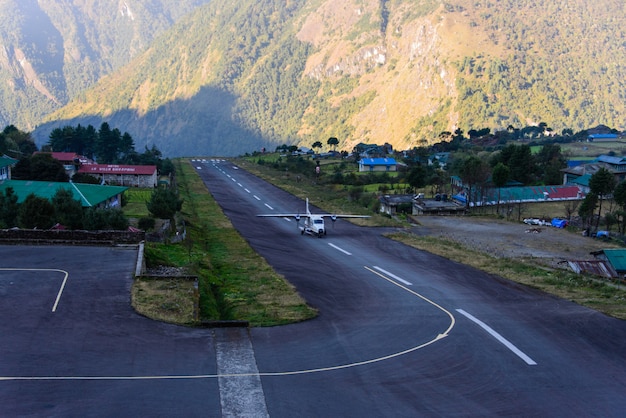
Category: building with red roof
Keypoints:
(122, 175)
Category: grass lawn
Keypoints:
(580, 150)
(136, 203)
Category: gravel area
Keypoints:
(512, 239)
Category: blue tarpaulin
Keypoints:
(559, 223)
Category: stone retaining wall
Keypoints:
(69, 237)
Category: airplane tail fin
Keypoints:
(308, 212)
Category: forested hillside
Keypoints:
(232, 77)
(54, 50)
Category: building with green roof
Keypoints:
(90, 195)
(5, 167)
(615, 256)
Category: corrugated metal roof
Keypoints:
(87, 194)
(611, 159)
(595, 267)
(7, 161)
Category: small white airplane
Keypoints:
(313, 223)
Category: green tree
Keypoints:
(45, 168)
(317, 144)
(602, 184)
(35, 213)
(619, 195)
(16, 143)
(8, 208)
(520, 161)
(417, 177)
(40, 167)
(108, 144)
(164, 203)
(126, 145)
(98, 219)
(474, 172)
(333, 142)
(550, 161)
(587, 208)
(499, 177)
(167, 167)
(68, 211)
(116, 219)
(85, 178)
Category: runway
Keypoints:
(445, 339)
(400, 333)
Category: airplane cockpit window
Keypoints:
(318, 221)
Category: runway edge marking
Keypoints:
(498, 337)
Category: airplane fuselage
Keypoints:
(313, 225)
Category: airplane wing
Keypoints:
(308, 214)
(344, 216)
(284, 215)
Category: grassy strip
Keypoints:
(584, 290)
(168, 300)
(234, 281)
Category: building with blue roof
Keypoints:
(578, 174)
(378, 164)
(602, 137)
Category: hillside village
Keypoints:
(455, 176)
(452, 191)
(65, 189)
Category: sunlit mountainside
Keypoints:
(224, 78)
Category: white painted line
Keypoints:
(239, 184)
(393, 276)
(241, 393)
(340, 249)
(257, 197)
(238, 374)
(58, 298)
(287, 219)
(56, 302)
(498, 337)
(271, 208)
(247, 190)
(233, 179)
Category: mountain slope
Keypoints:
(54, 50)
(231, 78)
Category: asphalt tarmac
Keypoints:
(405, 333)
(400, 333)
